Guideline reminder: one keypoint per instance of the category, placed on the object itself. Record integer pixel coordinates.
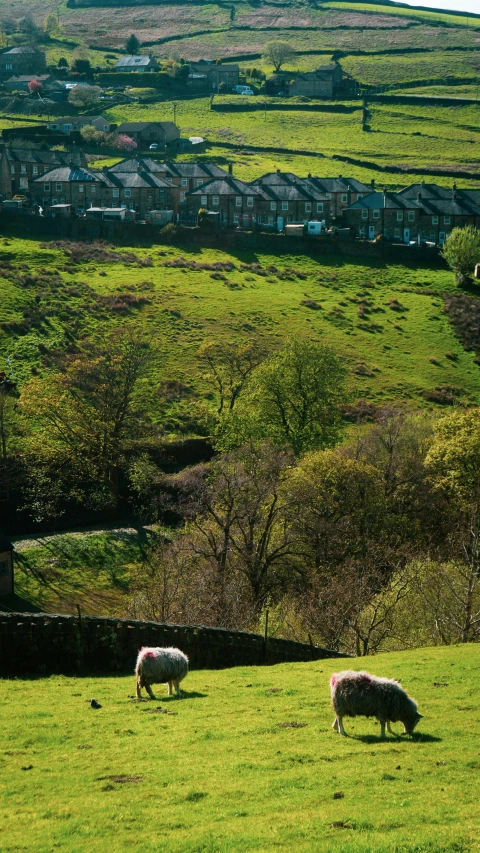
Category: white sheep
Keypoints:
(157, 666)
(357, 694)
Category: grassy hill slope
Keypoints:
(247, 761)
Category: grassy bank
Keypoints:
(247, 761)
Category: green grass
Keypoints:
(183, 308)
(410, 12)
(219, 772)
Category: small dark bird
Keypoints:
(94, 704)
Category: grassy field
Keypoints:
(246, 762)
(180, 307)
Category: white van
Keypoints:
(243, 90)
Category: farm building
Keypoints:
(137, 63)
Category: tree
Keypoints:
(84, 97)
(88, 409)
(29, 27)
(62, 62)
(227, 368)
(453, 459)
(462, 252)
(50, 24)
(278, 53)
(295, 396)
(81, 66)
(122, 142)
(132, 45)
(35, 87)
(92, 136)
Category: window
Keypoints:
(8, 66)
(127, 192)
(23, 168)
(162, 193)
(215, 200)
(364, 213)
(270, 220)
(259, 219)
(46, 188)
(411, 216)
(376, 214)
(182, 196)
(235, 218)
(200, 182)
(203, 200)
(446, 220)
(434, 220)
(284, 205)
(131, 206)
(344, 197)
(24, 183)
(399, 215)
(184, 182)
(12, 169)
(249, 201)
(4, 568)
(93, 189)
(115, 193)
(34, 170)
(308, 207)
(273, 205)
(397, 232)
(238, 201)
(81, 188)
(58, 188)
(54, 201)
(319, 206)
(329, 195)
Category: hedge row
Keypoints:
(138, 79)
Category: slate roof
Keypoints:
(25, 78)
(73, 173)
(291, 192)
(453, 206)
(138, 126)
(225, 186)
(73, 119)
(131, 164)
(138, 180)
(194, 170)
(339, 185)
(31, 155)
(22, 48)
(433, 191)
(385, 201)
(134, 61)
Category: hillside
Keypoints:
(247, 761)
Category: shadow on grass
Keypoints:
(417, 737)
(185, 695)
(16, 604)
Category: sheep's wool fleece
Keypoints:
(362, 694)
(157, 665)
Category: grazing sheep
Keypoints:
(357, 694)
(156, 666)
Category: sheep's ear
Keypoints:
(420, 716)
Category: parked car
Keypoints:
(243, 90)
(154, 146)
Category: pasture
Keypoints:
(387, 320)
(247, 761)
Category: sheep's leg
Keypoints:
(382, 729)
(139, 688)
(335, 724)
(170, 688)
(339, 728)
(149, 691)
(389, 728)
(177, 688)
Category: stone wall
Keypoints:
(44, 643)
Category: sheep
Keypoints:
(157, 665)
(361, 694)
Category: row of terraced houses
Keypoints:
(421, 211)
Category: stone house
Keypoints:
(20, 166)
(208, 75)
(186, 177)
(137, 63)
(141, 191)
(20, 60)
(235, 201)
(341, 192)
(164, 133)
(385, 214)
(288, 199)
(75, 185)
(20, 82)
(440, 216)
(70, 124)
(322, 83)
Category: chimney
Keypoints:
(372, 184)
(340, 177)
(419, 196)
(309, 175)
(278, 171)
(423, 183)
(230, 168)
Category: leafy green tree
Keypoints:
(84, 97)
(295, 396)
(462, 252)
(50, 24)
(81, 66)
(62, 62)
(454, 457)
(227, 367)
(132, 45)
(278, 53)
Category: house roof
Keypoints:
(73, 119)
(433, 191)
(25, 78)
(134, 61)
(291, 192)
(194, 170)
(32, 155)
(203, 65)
(22, 48)
(138, 126)
(385, 201)
(132, 164)
(225, 186)
(138, 179)
(73, 173)
(453, 206)
(339, 185)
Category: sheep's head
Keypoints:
(410, 722)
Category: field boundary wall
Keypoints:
(46, 643)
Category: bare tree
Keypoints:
(278, 53)
(228, 366)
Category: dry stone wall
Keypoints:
(44, 643)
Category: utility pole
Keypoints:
(174, 112)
